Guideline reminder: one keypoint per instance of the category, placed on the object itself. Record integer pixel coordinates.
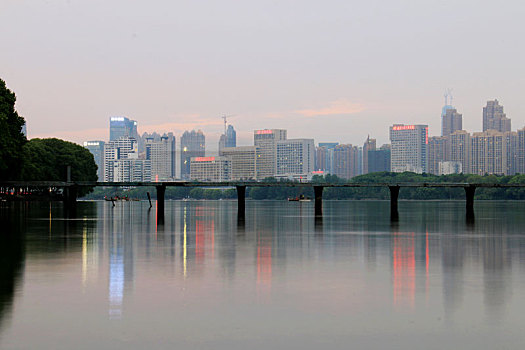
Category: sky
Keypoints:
(329, 70)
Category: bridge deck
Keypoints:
(251, 184)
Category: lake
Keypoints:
(113, 277)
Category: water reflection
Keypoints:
(430, 260)
(12, 254)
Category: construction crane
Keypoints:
(225, 121)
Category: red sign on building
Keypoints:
(204, 159)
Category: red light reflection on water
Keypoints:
(404, 269)
(264, 262)
(204, 233)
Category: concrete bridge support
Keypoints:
(161, 191)
(70, 200)
(469, 195)
(318, 198)
(241, 202)
(394, 195)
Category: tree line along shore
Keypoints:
(281, 193)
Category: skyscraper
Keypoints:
(121, 161)
(228, 139)
(370, 145)
(379, 159)
(512, 152)
(97, 149)
(521, 152)
(161, 153)
(488, 153)
(437, 153)
(243, 162)
(122, 127)
(346, 161)
(494, 118)
(320, 158)
(231, 137)
(459, 149)
(295, 157)
(409, 148)
(192, 144)
(210, 169)
(325, 154)
(266, 141)
(451, 121)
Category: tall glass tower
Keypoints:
(192, 144)
(122, 127)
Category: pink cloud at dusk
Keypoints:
(337, 107)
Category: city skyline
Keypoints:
(214, 145)
(215, 129)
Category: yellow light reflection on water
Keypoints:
(84, 256)
(184, 249)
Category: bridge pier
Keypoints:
(394, 195)
(70, 200)
(318, 198)
(241, 202)
(469, 194)
(161, 191)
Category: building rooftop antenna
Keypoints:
(448, 97)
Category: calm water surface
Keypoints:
(114, 278)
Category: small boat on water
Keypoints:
(300, 198)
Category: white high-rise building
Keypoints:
(215, 169)
(121, 161)
(409, 148)
(295, 157)
(266, 141)
(161, 153)
(243, 162)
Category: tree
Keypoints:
(11, 137)
(47, 160)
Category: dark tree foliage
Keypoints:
(11, 138)
(47, 160)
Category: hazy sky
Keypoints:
(331, 70)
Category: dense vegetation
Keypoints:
(344, 193)
(47, 159)
(11, 137)
(38, 159)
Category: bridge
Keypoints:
(70, 190)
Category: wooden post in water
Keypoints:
(241, 202)
(149, 199)
(318, 198)
(394, 195)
